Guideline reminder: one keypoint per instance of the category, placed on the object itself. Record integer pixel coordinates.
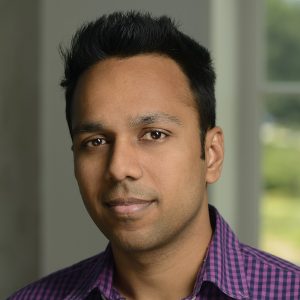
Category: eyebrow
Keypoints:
(152, 118)
(137, 121)
(88, 127)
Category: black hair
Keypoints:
(125, 34)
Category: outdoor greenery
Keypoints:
(281, 167)
(280, 228)
(283, 36)
(284, 109)
(281, 170)
(280, 233)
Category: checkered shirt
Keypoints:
(231, 270)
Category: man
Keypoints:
(140, 107)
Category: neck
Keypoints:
(153, 274)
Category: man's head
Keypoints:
(129, 34)
(133, 111)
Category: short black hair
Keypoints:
(126, 34)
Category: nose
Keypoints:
(123, 162)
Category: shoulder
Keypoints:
(60, 283)
(246, 270)
(270, 275)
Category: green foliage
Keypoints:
(284, 109)
(281, 169)
(283, 58)
(280, 226)
(283, 40)
(281, 150)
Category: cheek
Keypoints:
(179, 172)
(88, 175)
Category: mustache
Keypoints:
(129, 190)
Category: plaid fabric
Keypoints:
(231, 271)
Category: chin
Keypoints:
(134, 242)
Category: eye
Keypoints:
(154, 135)
(96, 142)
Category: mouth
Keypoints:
(126, 206)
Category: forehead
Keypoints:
(132, 84)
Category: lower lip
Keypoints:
(131, 208)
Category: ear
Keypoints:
(214, 154)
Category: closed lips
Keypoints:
(129, 205)
(127, 201)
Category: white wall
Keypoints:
(18, 144)
(235, 45)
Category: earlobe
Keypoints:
(214, 148)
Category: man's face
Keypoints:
(137, 151)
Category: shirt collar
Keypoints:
(97, 276)
(224, 264)
(223, 267)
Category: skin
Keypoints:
(137, 159)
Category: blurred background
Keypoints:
(256, 49)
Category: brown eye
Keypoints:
(95, 142)
(155, 135)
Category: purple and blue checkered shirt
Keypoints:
(231, 270)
